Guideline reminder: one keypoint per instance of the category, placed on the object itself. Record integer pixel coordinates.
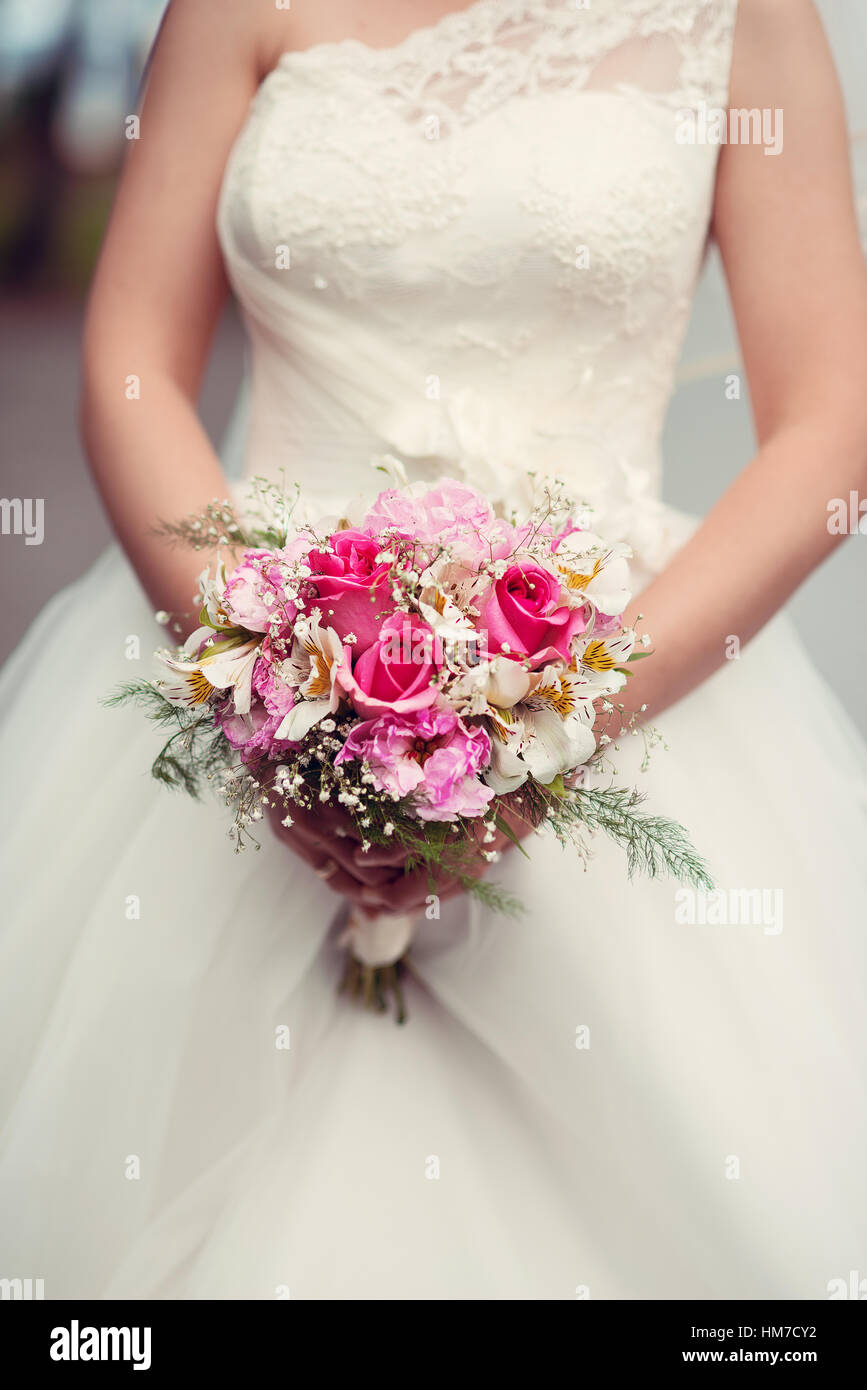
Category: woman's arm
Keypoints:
(155, 302)
(158, 292)
(787, 231)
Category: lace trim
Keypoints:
(459, 24)
(479, 48)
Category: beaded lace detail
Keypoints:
(476, 57)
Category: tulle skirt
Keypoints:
(622, 1094)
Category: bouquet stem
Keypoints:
(375, 986)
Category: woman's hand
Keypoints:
(411, 892)
(327, 839)
(375, 879)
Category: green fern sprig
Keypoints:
(197, 750)
(655, 846)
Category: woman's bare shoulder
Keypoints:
(215, 35)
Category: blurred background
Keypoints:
(69, 75)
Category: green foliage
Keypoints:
(195, 753)
(654, 845)
(267, 523)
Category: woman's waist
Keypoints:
(318, 440)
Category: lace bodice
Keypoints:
(476, 249)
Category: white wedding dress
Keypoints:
(493, 239)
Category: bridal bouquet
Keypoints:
(437, 671)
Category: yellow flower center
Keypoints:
(319, 682)
(200, 687)
(580, 581)
(596, 657)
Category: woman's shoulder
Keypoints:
(214, 36)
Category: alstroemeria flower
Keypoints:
(459, 644)
(568, 692)
(550, 732)
(598, 657)
(500, 683)
(553, 745)
(223, 662)
(212, 589)
(313, 668)
(540, 742)
(590, 569)
(507, 771)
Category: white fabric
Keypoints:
(596, 1097)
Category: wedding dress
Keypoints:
(476, 251)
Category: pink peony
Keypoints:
(353, 589)
(446, 512)
(252, 735)
(296, 548)
(607, 625)
(496, 540)
(276, 694)
(524, 616)
(397, 672)
(501, 539)
(257, 577)
(429, 755)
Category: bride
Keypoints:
(468, 238)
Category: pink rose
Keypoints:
(429, 755)
(397, 671)
(255, 592)
(524, 616)
(353, 589)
